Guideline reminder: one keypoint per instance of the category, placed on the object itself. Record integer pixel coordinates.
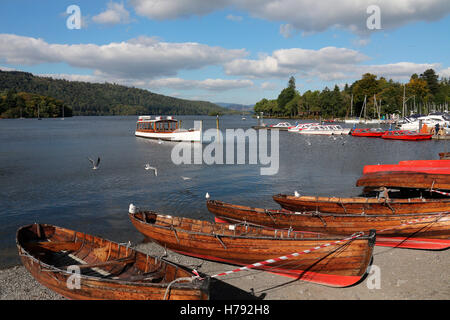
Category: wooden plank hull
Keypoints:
(108, 271)
(408, 227)
(362, 205)
(405, 179)
(337, 265)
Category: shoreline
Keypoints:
(405, 274)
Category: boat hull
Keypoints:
(188, 135)
(405, 179)
(333, 265)
(405, 226)
(98, 284)
(361, 205)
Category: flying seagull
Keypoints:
(185, 178)
(95, 164)
(148, 167)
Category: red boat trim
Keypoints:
(413, 243)
(314, 277)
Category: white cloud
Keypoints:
(172, 9)
(308, 16)
(115, 14)
(285, 62)
(326, 64)
(234, 18)
(139, 58)
(207, 84)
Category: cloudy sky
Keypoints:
(236, 51)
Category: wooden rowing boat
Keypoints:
(411, 230)
(106, 270)
(405, 179)
(362, 205)
(336, 264)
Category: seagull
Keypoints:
(207, 195)
(160, 141)
(95, 164)
(148, 167)
(185, 178)
(308, 142)
(297, 194)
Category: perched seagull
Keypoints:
(160, 141)
(95, 164)
(296, 194)
(207, 195)
(148, 167)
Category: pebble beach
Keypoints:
(404, 275)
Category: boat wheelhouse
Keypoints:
(165, 128)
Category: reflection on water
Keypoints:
(46, 177)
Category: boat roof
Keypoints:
(155, 119)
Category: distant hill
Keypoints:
(236, 106)
(85, 98)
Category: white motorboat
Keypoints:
(324, 130)
(281, 125)
(165, 128)
(302, 126)
(430, 120)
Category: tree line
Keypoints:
(86, 98)
(423, 94)
(29, 105)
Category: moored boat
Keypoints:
(80, 266)
(165, 128)
(367, 132)
(406, 135)
(410, 230)
(405, 179)
(441, 169)
(323, 258)
(363, 205)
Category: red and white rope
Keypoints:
(441, 192)
(286, 257)
(296, 254)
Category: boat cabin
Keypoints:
(158, 124)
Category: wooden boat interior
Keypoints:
(58, 248)
(240, 229)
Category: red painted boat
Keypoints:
(428, 163)
(406, 135)
(367, 132)
(396, 167)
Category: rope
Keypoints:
(441, 192)
(286, 257)
(177, 280)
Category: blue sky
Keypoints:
(236, 51)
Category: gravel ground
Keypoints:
(404, 275)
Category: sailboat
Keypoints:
(352, 119)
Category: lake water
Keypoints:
(45, 175)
